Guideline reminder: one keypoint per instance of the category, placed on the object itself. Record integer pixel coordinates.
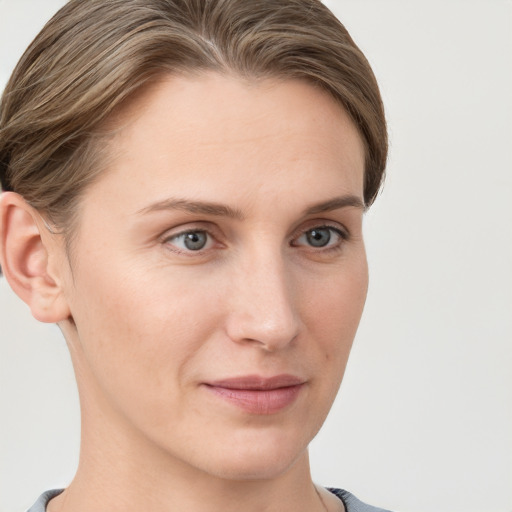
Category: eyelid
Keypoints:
(340, 228)
(187, 227)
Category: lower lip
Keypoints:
(255, 401)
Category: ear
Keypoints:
(27, 251)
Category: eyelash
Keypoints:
(342, 235)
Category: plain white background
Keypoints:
(424, 418)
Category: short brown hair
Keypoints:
(92, 55)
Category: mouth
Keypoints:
(258, 395)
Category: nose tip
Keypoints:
(263, 310)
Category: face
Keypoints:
(219, 273)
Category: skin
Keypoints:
(149, 321)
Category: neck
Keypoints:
(126, 488)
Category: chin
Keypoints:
(250, 469)
(259, 458)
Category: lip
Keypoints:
(258, 395)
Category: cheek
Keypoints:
(331, 315)
(334, 308)
(133, 328)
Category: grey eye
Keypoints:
(195, 240)
(321, 237)
(318, 237)
(191, 241)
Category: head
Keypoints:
(148, 145)
(93, 56)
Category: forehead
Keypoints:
(212, 127)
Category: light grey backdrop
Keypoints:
(424, 420)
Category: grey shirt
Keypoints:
(352, 504)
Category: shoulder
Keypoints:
(42, 501)
(352, 504)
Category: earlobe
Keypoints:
(25, 257)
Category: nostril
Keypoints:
(271, 331)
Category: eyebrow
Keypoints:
(335, 204)
(188, 206)
(222, 210)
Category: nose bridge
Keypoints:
(263, 308)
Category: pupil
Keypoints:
(195, 241)
(319, 237)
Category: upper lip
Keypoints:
(257, 382)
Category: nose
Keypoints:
(263, 304)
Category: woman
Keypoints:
(184, 185)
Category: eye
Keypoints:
(321, 237)
(194, 240)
